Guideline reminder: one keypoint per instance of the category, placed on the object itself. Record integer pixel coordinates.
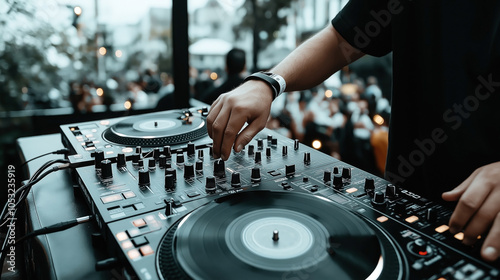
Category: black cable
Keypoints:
(58, 152)
(56, 227)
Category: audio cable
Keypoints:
(58, 152)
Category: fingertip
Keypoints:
(490, 254)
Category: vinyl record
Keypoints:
(156, 130)
(277, 235)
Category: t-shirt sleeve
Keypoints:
(367, 25)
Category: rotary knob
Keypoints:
(338, 181)
(151, 164)
(390, 191)
(255, 177)
(210, 184)
(378, 199)
(290, 170)
(260, 144)
(172, 172)
(327, 176)
(98, 158)
(180, 158)
(135, 159)
(169, 182)
(335, 170)
(143, 177)
(162, 161)
(199, 166)
(200, 154)
(268, 152)
(307, 158)
(219, 168)
(346, 173)
(285, 151)
(121, 161)
(296, 144)
(167, 151)
(369, 185)
(156, 153)
(274, 141)
(258, 157)
(235, 180)
(188, 171)
(138, 150)
(106, 172)
(420, 248)
(269, 138)
(251, 149)
(191, 149)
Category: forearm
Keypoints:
(316, 60)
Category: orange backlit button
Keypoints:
(459, 236)
(121, 236)
(127, 244)
(139, 223)
(129, 194)
(111, 198)
(411, 219)
(382, 219)
(133, 254)
(442, 228)
(146, 250)
(351, 190)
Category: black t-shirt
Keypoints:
(445, 118)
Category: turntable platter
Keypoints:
(272, 235)
(156, 130)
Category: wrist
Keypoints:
(275, 82)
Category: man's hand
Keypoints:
(478, 209)
(251, 103)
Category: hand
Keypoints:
(478, 209)
(251, 103)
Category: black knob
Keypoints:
(188, 171)
(420, 247)
(169, 207)
(151, 164)
(327, 176)
(346, 173)
(135, 159)
(390, 191)
(204, 109)
(305, 179)
(335, 170)
(199, 166)
(255, 177)
(172, 172)
(307, 158)
(399, 208)
(431, 215)
(338, 181)
(138, 150)
(369, 185)
(285, 151)
(162, 161)
(143, 177)
(106, 172)
(274, 141)
(268, 152)
(269, 138)
(236, 180)
(251, 149)
(296, 144)
(378, 199)
(211, 151)
(180, 158)
(260, 144)
(140, 163)
(191, 149)
(219, 168)
(169, 182)
(258, 157)
(210, 184)
(98, 158)
(200, 154)
(121, 161)
(167, 151)
(290, 170)
(156, 153)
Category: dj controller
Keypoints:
(276, 210)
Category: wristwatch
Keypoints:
(275, 81)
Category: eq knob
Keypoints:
(143, 177)
(268, 152)
(258, 157)
(269, 138)
(337, 181)
(274, 141)
(191, 149)
(260, 144)
(210, 185)
(151, 164)
(255, 177)
(199, 166)
(285, 151)
(200, 154)
(290, 169)
(307, 158)
(121, 161)
(335, 170)
(188, 171)
(156, 153)
(236, 180)
(369, 185)
(296, 144)
(378, 199)
(106, 172)
(251, 149)
(327, 176)
(138, 150)
(390, 191)
(162, 161)
(98, 158)
(172, 172)
(167, 151)
(219, 168)
(135, 159)
(346, 173)
(169, 182)
(180, 158)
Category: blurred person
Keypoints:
(151, 84)
(235, 66)
(440, 145)
(137, 96)
(373, 89)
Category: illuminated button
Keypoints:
(139, 223)
(382, 219)
(89, 135)
(351, 190)
(127, 244)
(133, 232)
(109, 152)
(90, 149)
(150, 218)
(133, 254)
(111, 198)
(411, 219)
(108, 146)
(442, 228)
(104, 122)
(72, 129)
(121, 236)
(127, 150)
(146, 250)
(79, 138)
(459, 236)
(129, 194)
(94, 130)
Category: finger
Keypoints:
(212, 115)
(469, 203)
(248, 133)
(455, 194)
(491, 246)
(483, 219)
(218, 128)
(235, 123)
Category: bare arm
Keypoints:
(311, 63)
